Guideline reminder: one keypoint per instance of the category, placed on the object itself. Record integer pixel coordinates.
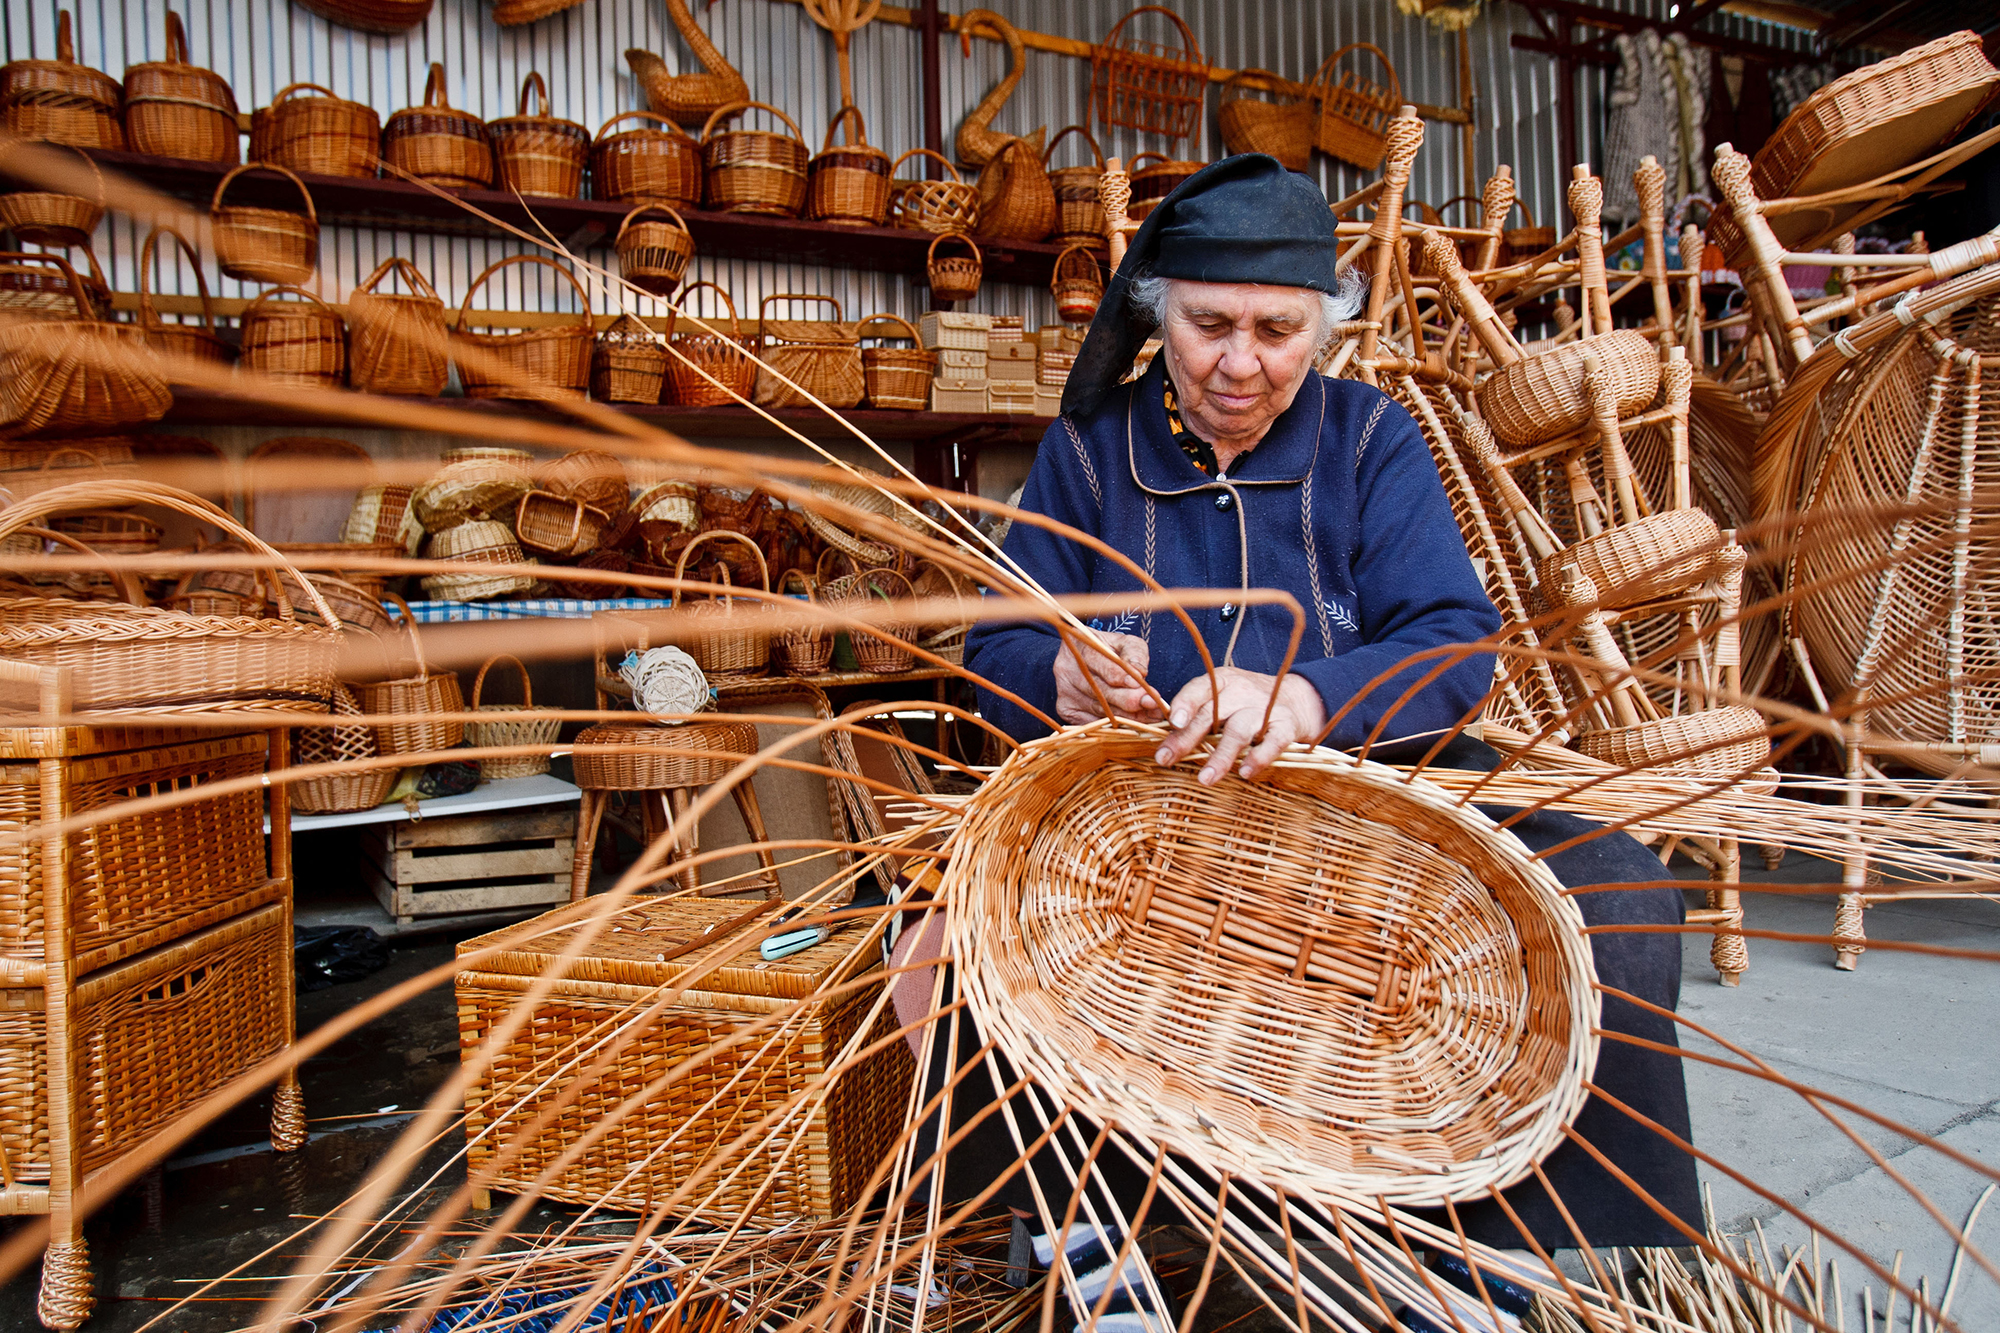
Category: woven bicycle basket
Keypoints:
(898, 377)
(539, 154)
(264, 244)
(174, 109)
(49, 217)
(1149, 86)
(396, 341)
(437, 143)
(1332, 979)
(646, 165)
(926, 205)
(534, 363)
(1543, 397)
(721, 639)
(323, 134)
(60, 100)
(353, 788)
(705, 369)
(512, 724)
(420, 700)
(753, 171)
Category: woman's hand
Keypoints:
(1122, 679)
(1237, 710)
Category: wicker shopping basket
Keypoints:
(628, 363)
(174, 109)
(419, 701)
(753, 171)
(198, 342)
(820, 357)
(596, 478)
(60, 100)
(534, 363)
(718, 644)
(354, 788)
(882, 647)
(539, 154)
(301, 342)
(927, 205)
(1151, 184)
(653, 253)
(76, 375)
(265, 244)
(51, 217)
(435, 142)
(559, 525)
(1077, 285)
(707, 369)
(1079, 211)
(1354, 112)
(396, 342)
(1149, 86)
(325, 134)
(1282, 127)
(849, 185)
(954, 277)
(646, 165)
(512, 724)
(802, 650)
(897, 377)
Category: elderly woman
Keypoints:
(1230, 464)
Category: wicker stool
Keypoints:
(675, 761)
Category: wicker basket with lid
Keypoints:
(174, 109)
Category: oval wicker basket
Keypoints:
(718, 647)
(1730, 742)
(848, 186)
(590, 475)
(821, 357)
(483, 542)
(75, 376)
(353, 788)
(473, 488)
(661, 166)
(534, 363)
(802, 650)
(539, 154)
(198, 342)
(628, 364)
(324, 134)
(559, 525)
(881, 647)
(898, 378)
(653, 254)
(382, 516)
(753, 171)
(1543, 397)
(926, 205)
(1282, 127)
(1079, 210)
(436, 143)
(265, 244)
(512, 724)
(302, 342)
(421, 700)
(61, 101)
(174, 109)
(1110, 919)
(1640, 561)
(396, 342)
(707, 369)
(52, 218)
(1016, 200)
(1152, 184)
(954, 277)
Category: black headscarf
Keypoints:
(1243, 219)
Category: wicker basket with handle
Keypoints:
(1282, 127)
(480, 542)
(666, 512)
(706, 369)
(1077, 285)
(539, 154)
(301, 342)
(849, 185)
(51, 292)
(534, 363)
(821, 357)
(954, 277)
(717, 645)
(644, 164)
(628, 364)
(60, 100)
(473, 488)
(802, 650)
(512, 724)
(897, 377)
(396, 342)
(351, 789)
(1354, 112)
(1149, 86)
(559, 525)
(324, 134)
(50, 217)
(927, 205)
(265, 244)
(1016, 201)
(1079, 211)
(1720, 743)
(195, 341)
(653, 253)
(881, 647)
(435, 142)
(753, 171)
(419, 701)
(1526, 241)
(174, 109)
(1153, 183)
(590, 475)
(74, 376)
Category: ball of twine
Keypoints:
(665, 681)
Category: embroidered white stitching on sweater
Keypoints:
(1083, 457)
(1312, 560)
(1367, 432)
(1146, 618)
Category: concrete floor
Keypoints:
(1908, 1036)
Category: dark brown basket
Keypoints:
(540, 154)
(435, 143)
(1147, 86)
(324, 134)
(753, 171)
(954, 277)
(653, 254)
(196, 341)
(265, 244)
(61, 101)
(708, 369)
(47, 217)
(536, 363)
(302, 342)
(628, 365)
(849, 185)
(661, 166)
(174, 109)
(383, 16)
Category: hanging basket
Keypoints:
(61, 101)
(1079, 210)
(435, 143)
(1016, 201)
(558, 525)
(541, 154)
(51, 218)
(384, 16)
(821, 357)
(1282, 127)
(753, 171)
(419, 700)
(926, 205)
(301, 342)
(653, 253)
(396, 342)
(194, 341)
(1354, 112)
(265, 244)
(323, 134)
(352, 789)
(627, 365)
(848, 186)
(882, 647)
(709, 369)
(74, 376)
(512, 724)
(719, 647)
(483, 542)
(1077, 285)
(898, 378)
(1147, 86)
(1152, 184)
(644, 164)
(534, 363)
(954, 277)
(174, 109)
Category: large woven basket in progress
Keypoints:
(1333, 979)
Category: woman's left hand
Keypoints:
(1237, 711)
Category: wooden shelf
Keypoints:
(579, 223)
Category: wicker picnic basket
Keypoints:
(1382, 906)
(628, 363)
(1148, 86)
(753, 171)
(384, 16)
(512, 724)
(706, 369)
(436, 143)
(194, 341)
(264, 244)
(382, 516)
(1282, 127)
(802, 650)
(147, 660)
(954, 277)
(864, 551)
(1730, 742)
(882, 647)
(472, 488)
(324, 134)
(534, 363)
(174, 109)
(719, 647)
(353, 787)
(75, 376)
(50, 217)
(1354, 111)
(653, 253)
(559, 525)
(1077, 285)
(849, 185)
(644, 164)
(61, 101)
(897, 377)
(1152, 184)
(1544, 397)
(539, 154)
(396, 343)
(481, 542)
(301, 342)
(927, 205)
(821, 357)
(596, 478)
(1079, 211)
(419, 701)
(1016, 201)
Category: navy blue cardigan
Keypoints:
(1340, 505)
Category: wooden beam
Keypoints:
(1593, 17)
(1589, 55)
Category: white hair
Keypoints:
(1147, 296)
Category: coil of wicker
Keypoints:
(197, 342)
(254, 244)
(471, 489)
(539, 154)
(954, 277)
(74, 376)
(60, 100)
(802, 650)
(482, 542)
(870, 498)
(353, 787)
(382, 515)
(646, 164)
(898, 378)
(721, 638)
(50, 217)
(1016, 200)
(1146, 85)
(174, 109)
(927, 205)
(590, 475)
(819, 357)
(1543, 397)
(1354, 111)
(1435, 980)
(396, 341)
(848, 186)
(628, 364)
(301, 342)
(1079, 212)
(511, 724)
(436, 143)
(753, 171)
(1077, 285)
(1282, 127)
(534, 363)
(653, 254)
(420, 701)
(558, 525)
(706, 368)
(882, 645)
(1152, 184)
(324, 134)
(1721, 743)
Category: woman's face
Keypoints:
(1238, 352)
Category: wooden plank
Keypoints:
(471, 830)
(443, 902)
(473, 864)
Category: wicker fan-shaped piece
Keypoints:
(865, 551)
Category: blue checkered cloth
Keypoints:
(541, 608)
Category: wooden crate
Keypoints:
(471, 863)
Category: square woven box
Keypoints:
(1010, 372)
(817, 1168)
(1011, 396)
(1048, 402)
(961, 363)
(958, 400)
(997, 350)
(950, 328)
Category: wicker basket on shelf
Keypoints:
(473, 488)
(645, 164)
(653, 253)
(821, 357)
(802, 650)
(480, 541)
(381, 515)
(534, 363)
(927, 205)
(1077, 285)
(50, 217)
(628, 364)
(61, 101)
(512, 724)
(265, 244)
(720, 647)
(849, 185)
(596, 478)
(881, 646)
(301, 342)
(352, 788)
(1282, 127)
(436, 143)
(421, 699)
(558, 525)
(74, 376)
(1079, 211)
(666, 511)
(53, 292)
(325, 134)
(897, 377)
(195, 341)
(1148, 86)
(539, 154)
(486, 453)
(1152, 184)
(931, 581)
(1016, 200)
(753, 171)
(396, 342)
(954, 277)
(174, 109)
(708, 369)
(28, 470)
(1525, 242)
(1354, 111)
(357, 605)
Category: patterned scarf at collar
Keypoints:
(1199, 452)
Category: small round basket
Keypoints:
(708, 369)
(646, 165)
(653, 253)
(882, 647)
(1723, 743)
(848, 186)
(718, 646)
(754, 171)
(511, 724)
(590, 475)
(302, 341)
(174, 109)
(478, 542)
(265, 244)
(539, 154)
(1077, 285)
(1543, 397)
(436, 143)
(898, 378)
(628, 364)
(954, 277)
(353, 788)
(47, 217)
(927, 205)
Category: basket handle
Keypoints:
(128, 583)
(65, 41)
(735, 324)
(909, 329)
(680, 565)
(1193, 50)
(1522, 204)
(723, 112)
(930, 255)
(410, 624)
(857, 133)
(605, 128)
(795, 296)
(13, 260)
(1474, 200)
(679, 221)
(1239, 84)
(583, 298)
(1324, 78)
(793, 575)
(1429, 216)
(434, 95)
(927, 152)
(1064, 133)
(148, 319)
(541, 90)
(1133, 166)
(251, 310)
(305, 194)
(411, 275)
(527, 686)
(177, 40)
(289, 89)
(1089, 257)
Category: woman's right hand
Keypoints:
(1120, 679)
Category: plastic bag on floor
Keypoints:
(330, 955)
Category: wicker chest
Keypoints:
(807, 1147)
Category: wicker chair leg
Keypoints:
(589, 816)
(288, 1115)
(1774, 855)
(1728, 952)
(679, 801)
(753, 820)
(67, 1297)
(1850, 935)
